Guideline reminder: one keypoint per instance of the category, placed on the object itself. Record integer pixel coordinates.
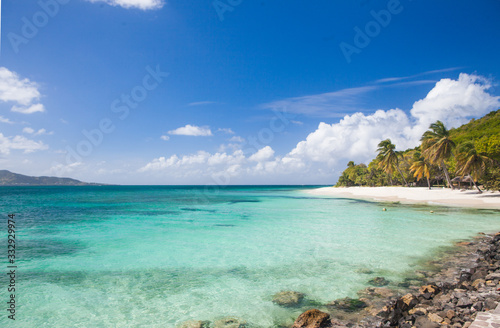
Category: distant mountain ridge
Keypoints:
(8, 178)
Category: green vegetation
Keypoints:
(470, 151)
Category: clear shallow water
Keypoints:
(122, 256)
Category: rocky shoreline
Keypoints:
(466, 283)
(449, 294)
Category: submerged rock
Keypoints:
(313, 319)
(288, 298)
(195, 324)
(230, 322)
(379, 282)
(376, 292)
(364, 271)
(348, 304)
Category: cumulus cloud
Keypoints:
(192, 130)
(454, 102)
(139, 4)
(166, 138)
(262, 155)
(201, 157)
(23, 92)
(7, 144)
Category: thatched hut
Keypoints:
(458, 181)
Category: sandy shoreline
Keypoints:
(416, 195)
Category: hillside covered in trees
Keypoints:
(8, 178)
(468, 155)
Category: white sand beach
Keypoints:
(416, 195)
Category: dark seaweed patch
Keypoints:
(190, 209)
(45, 248)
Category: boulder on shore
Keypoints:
(313, 319)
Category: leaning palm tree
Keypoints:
(421, 168)
(389, 159)
(470, 162)
(438, 147)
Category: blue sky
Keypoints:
(236, 92)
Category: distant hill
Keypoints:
(8, 178)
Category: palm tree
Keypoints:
(438, 147)
(471, 162)
(389, 158)
(421, 168)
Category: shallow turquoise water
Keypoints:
(126, 256)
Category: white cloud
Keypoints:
(19, 143)
(59, 169)
(326, 104)
(13, 88)
(29, 130)
(262, 155)
(191, 130)
(29, 109)
(354, 137)
(397, 79)
(139, 4)
(166, 138)
(237, 139)
(201, 103)
(5, 120)
(454, 101)
(225, 130)
(23, 92)
(201, 157)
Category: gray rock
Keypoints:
(493, 276)
(424, 322)
(490, 304)
(464, 302)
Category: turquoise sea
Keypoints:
(155, 256)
